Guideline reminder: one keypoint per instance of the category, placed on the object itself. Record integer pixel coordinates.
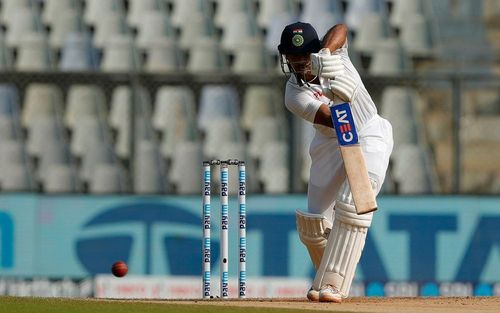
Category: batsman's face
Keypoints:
(301, 64)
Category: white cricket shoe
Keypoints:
(328, 293)
(313, 295)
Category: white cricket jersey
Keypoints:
(304, 101)
(327, 171)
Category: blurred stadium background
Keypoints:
(107, 97)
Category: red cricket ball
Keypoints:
(119, 269)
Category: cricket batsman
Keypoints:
(332, 228)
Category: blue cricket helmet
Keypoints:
(299, 38)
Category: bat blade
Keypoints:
(357, 175)
(354, 161)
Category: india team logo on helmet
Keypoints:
(297, 39)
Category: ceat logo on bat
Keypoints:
(344, 124)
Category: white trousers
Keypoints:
(327, 169)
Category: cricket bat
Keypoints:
(354, 161)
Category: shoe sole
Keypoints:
(330, 299)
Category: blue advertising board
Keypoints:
(417, 239)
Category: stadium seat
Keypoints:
(153, 27)
(66, 22)
(241, 27)
(114, 25)
(13, 158)
(259, 102)
(78, 54)
(173, 134)
(251, 57)
(97, 153)
(173, 116)
(273, 171)
(217, 101)
(10, 9)
(53, 152)
(9, 101)
(415, 36)
(43, 130)
(411, 170)
(184, 173)
(311, 9)
(403, 9)
(163, 56)
(41, 100)
(373, 28)
(98, 10)
(273, 34)
(218, 132)
(139, 10)
(6, 57)
(16, 178)
(7, 128)
(173, 103)
(399, 103)
(87, 132)
(120, 55)
(226, 8)
(271, 8)
(11, 152)
(199, 27)
(142, 111)
(205, 56)
(148, 169)
(53, 9)
(324, 21)
(83, 101)
(389, 58)
(264, 130)
(107, 179)
(358, 9)
(34, 53)
(25, 21)
(119, 119)
(404, 132)
(183, 10)
(60, 178)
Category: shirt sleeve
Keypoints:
(301, 104)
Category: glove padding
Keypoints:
(326, 65)
(344, 87)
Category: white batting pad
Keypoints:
(313, 231)
(343, 249)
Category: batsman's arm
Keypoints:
(335, 37)
(323, 116)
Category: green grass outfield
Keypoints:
(59, 305)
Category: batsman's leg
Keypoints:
(343, 249)
(313, 231)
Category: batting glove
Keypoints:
(344, 87)
(326, 65)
